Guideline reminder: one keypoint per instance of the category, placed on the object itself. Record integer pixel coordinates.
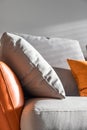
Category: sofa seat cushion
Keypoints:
(53, 114)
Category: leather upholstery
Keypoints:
(11, 99)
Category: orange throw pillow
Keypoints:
(79, 71)
(11, 99)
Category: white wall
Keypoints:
(33, 16)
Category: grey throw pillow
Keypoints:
(35, 74)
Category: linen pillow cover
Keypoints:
(56, 50)
(79, 71)
(35, 74)
(11, 99)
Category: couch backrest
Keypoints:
(56, 50)
(68, 81)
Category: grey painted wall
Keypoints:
(32, 16)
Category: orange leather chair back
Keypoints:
(11, 99)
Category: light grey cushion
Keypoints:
(56, 50)
(68, 81)
(52, 114)
(34, 72)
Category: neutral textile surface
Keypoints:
(52, 114)
(35, 74)
(56, 50)
(68, 81)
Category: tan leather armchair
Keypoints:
(11, 99)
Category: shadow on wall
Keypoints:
(30, 15)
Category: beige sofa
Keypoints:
(47, 112)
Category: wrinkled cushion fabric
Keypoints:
(51, 114)
(35, 74)
(56, 50)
